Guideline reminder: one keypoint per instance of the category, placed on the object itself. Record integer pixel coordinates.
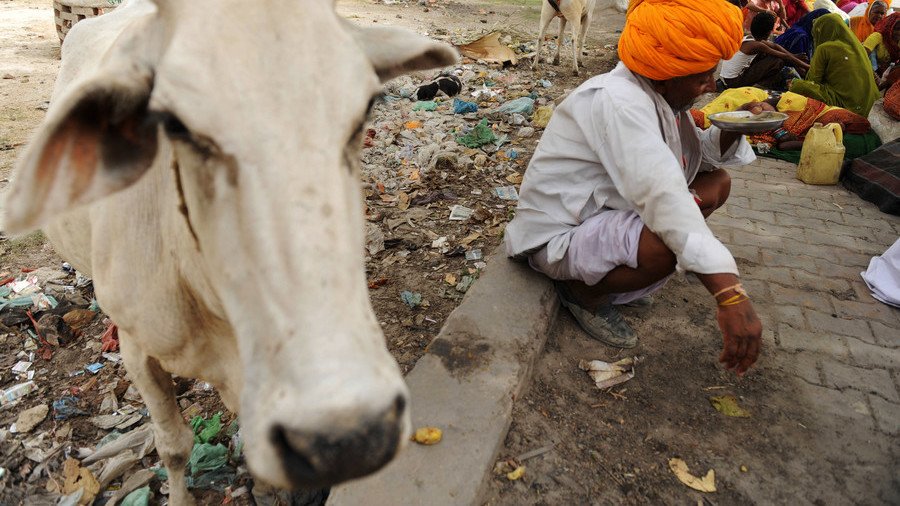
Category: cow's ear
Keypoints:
(97, 139)
(397, 51)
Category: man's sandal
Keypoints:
(605, 325)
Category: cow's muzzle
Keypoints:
(321, 459)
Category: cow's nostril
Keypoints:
(399, 405)
(299, 466)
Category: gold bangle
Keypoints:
(734, 301)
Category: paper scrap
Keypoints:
(606, 375)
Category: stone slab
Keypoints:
(465, 385)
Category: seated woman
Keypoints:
(864, 25)
(798, 38)
(882, 45)
(794, 10)
(802, 113)
(840, 73)
(758, 61)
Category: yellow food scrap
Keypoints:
(428, 436)
(516, 473)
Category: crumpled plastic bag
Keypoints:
(140, 497)
(463, 107)
(207, 457)
(522, 105)
(428, 105)
(479, 136)
(205, 430)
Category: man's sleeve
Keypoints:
(626, 138)
(739, 154)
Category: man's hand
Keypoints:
(741, 335)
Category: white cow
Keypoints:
(217, 143)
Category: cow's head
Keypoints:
(258, 108)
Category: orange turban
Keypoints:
(663, 39)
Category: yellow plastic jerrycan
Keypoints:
(822, 155)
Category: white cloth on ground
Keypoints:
(597, 246)
(615, 143)
(883, 276)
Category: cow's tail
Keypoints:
(555, 5)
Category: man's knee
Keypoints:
(654, 254)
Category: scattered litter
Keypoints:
(94, 368)
(473, 254)
(411, 299)
(489, 49)
(429, 105)
(542, 116)
(463, 107)
(507, 192)
(428, 436)
(207, 457)
(516, 474)
(534, 453)
(412, 125)
(465, 283)
(605, 374)
(705, 484)
(16, 392)
(67, 407)
(21, 368)
(544, 83)
(460, 213)
(120, 421)
(139, 497)
(76, 477)
(450, 279)
(205, 430)
(744, 469)
(522, 105)
(479, 136)
(140, 441)
(30, 418)
(486, 92)
(728, 406)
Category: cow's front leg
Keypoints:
(174, 439)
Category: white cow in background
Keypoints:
(200, 161)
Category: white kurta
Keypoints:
(615, 143)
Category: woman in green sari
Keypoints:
(840, 73)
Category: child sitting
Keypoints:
(760, 62)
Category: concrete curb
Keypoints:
(466, 384)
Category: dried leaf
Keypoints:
(450, 279)
(403, 201)
(515, 178)
(489, 49)
(469, 239)
(705, 484)
(728, 406)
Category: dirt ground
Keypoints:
(612, 446)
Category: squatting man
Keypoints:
(616, 195)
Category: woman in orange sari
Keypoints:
(864, 25)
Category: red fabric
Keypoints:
(699, 118)
(851, 123)
(892, 101)
(794, 10)
(886, 28)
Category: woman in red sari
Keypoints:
(794, 10)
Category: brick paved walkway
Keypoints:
(801, 249)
